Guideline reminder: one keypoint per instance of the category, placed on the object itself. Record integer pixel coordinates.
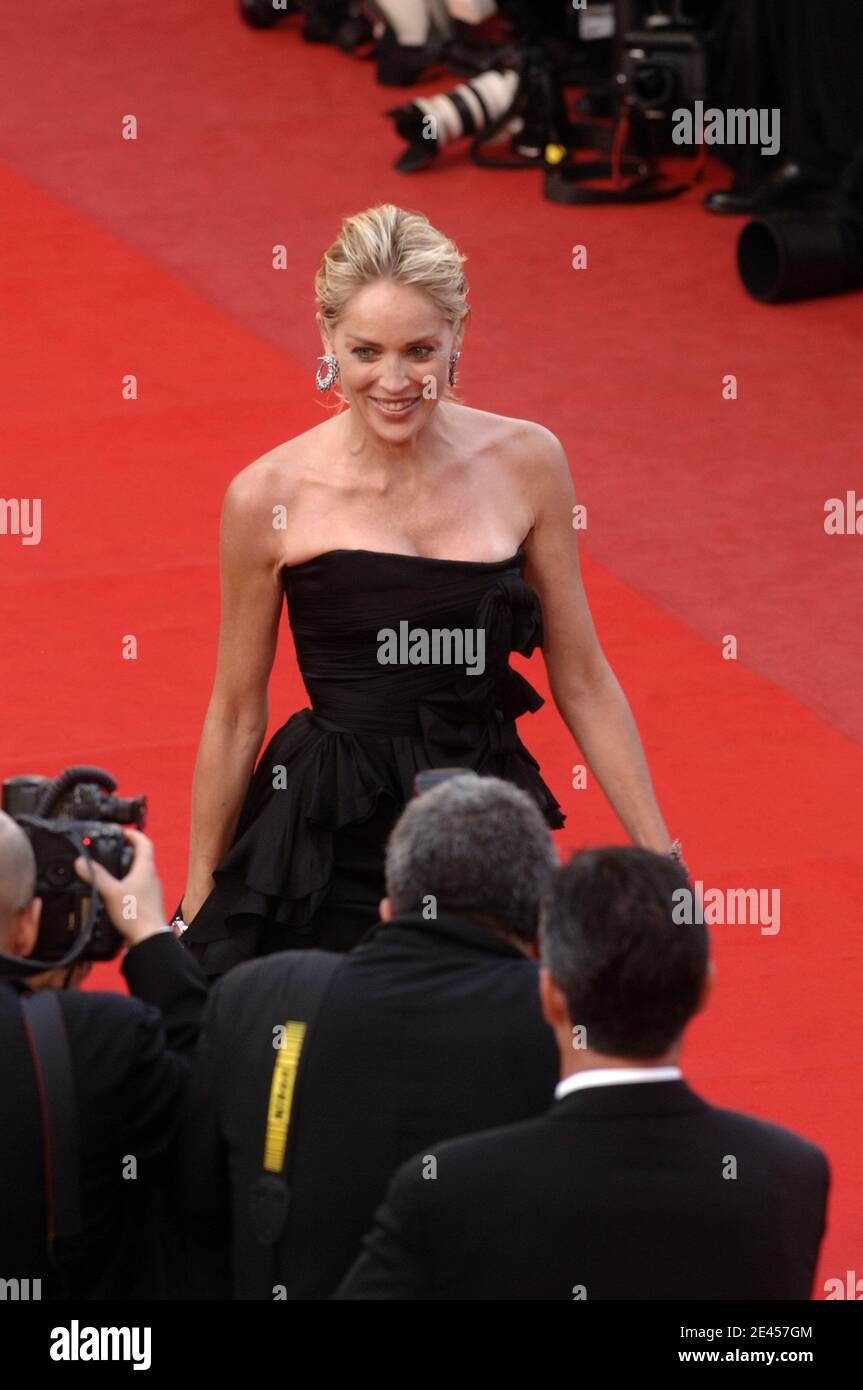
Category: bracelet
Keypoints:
(178, 926)
(675, 853)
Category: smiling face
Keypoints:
(393, 350)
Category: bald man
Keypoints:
(20, 911)
(130, 1059)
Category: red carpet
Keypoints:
(705, 516)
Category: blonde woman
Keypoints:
(405, 514)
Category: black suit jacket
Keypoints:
(430, 1029)
(618, 1192)
(130, 1061)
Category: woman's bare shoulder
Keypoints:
(496, 429)
(521, 446)
(278, 473)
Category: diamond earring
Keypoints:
(452, 366)
(331, 372)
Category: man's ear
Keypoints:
(552, 1000)
(25, 930)
(385, 908)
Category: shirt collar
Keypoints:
(452, 925)
(614, 1076)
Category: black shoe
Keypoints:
(790, 183)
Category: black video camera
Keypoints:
(75, 814)
(663, 70)
(663, 62)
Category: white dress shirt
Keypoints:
(614, 1076)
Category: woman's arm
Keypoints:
(236, 718)
(584, 687)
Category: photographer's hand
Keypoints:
(134, 903)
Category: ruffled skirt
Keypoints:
(306, 867)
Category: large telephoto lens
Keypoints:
(800, 255)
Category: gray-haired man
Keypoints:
(430, 1028)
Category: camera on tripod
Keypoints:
(65, 817)
(663, 63)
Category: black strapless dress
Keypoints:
(306, 866)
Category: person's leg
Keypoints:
(743, 76)
(825, 93)
(808, 60)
